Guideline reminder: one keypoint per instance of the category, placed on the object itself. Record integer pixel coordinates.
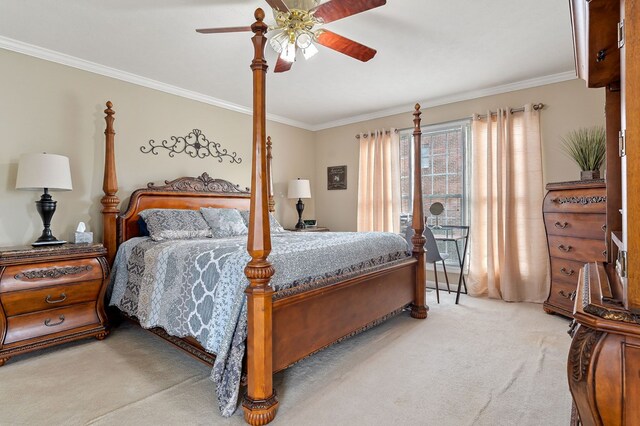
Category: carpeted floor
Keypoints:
(483, 362)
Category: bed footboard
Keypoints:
(307, 322)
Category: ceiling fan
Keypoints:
(298, 28)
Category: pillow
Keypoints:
(142, 228)
(224, 222)
(408, 233)
(273, 222)
(175, 224)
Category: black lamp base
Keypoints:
(46, 208)
(300, 209)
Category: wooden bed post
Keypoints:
(260, 401)
(272, 203)
(419, 307)
(110, 186)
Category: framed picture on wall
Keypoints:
(337, 177)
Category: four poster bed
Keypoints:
(283, 325)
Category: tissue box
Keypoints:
(84, 237)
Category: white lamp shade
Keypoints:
(299, 188)
(39, 171)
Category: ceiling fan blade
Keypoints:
(338, 9)
(278, 4)
(344, 45)
(223, 30)
(282, 65)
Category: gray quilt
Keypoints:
(196, 287)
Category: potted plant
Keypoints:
(587, 147)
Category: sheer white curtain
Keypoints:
(379, 182)
(508, 252)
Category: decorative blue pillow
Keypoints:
(142, 228)
(224, 222)
(175, 224)
(273, 222)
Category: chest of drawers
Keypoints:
(51, 295)
(575, 221)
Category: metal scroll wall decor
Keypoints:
(195, 145)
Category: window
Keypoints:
(444, 176)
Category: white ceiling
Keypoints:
(432, 51)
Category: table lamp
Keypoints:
(299, 188)
(48, 172)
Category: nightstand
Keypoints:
(51, 295)
(310, 229)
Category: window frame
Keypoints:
(464, 125)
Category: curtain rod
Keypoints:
(386, 132)
(536, 107)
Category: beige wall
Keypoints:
(59, 109)
(568, 105)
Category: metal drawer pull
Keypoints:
(604, 228)
(565, 248)
(48, 299)
(47, 322)
(570, 296)
(561, 225)
(569, 272)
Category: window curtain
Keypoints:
(508, 253)
(379, 182)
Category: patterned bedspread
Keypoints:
(196, 287)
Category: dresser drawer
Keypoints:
(576, 225)
(560, 295)
(565, 271)
(21, 302)
(576, 201)
(37, 275)
(28, 326)
(578, 249)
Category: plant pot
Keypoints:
(589, 174)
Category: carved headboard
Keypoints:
(183, 193)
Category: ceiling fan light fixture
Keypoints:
(288, 52)
(304, 40)
(279, 41)
(310, 51)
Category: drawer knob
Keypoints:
(604, 228)
(63, 297)
(567, 272)
(561, 225)
(565, 248)
(48, 322)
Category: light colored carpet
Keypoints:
(483, 362)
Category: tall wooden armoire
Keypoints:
(604, 359)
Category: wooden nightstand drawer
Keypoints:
(21, 302)
(574, 224)
(28, 326)
(19, 277)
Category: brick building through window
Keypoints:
(444, 175)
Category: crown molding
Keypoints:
(459, 97)
(74, 62)
(81, 64)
